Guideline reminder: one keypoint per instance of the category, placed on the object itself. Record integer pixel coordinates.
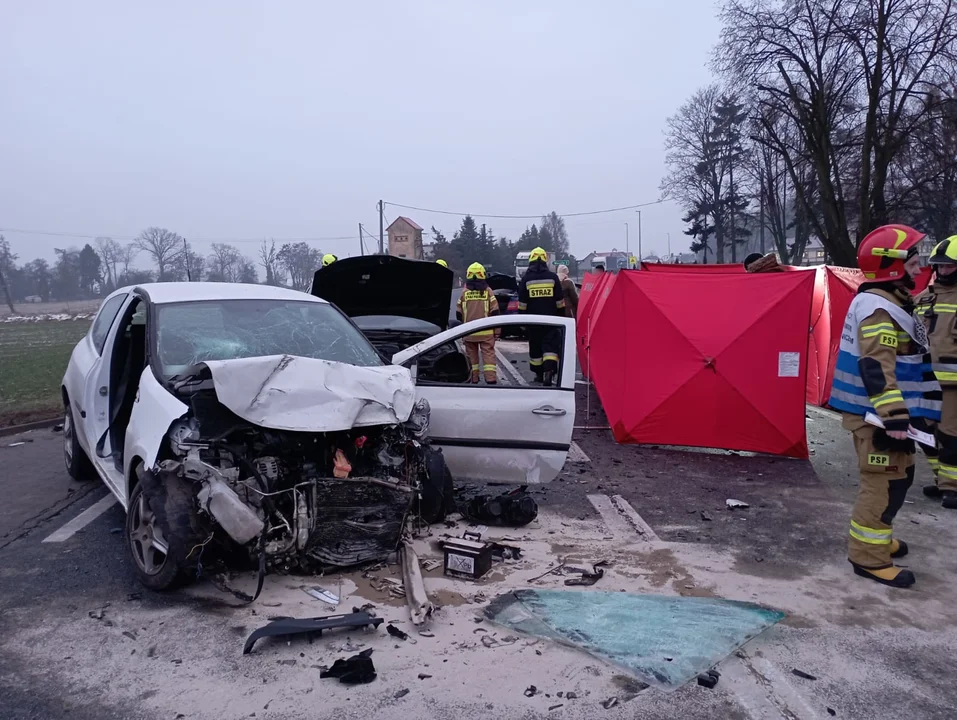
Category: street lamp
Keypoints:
(639, 235)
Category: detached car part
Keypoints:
(296, 626)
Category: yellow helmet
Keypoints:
(442, 263)
(476, 271)
(328, 259)
(538, 254)
(945, 252)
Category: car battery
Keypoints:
(467, 558)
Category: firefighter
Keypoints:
(442, 263)
(476, 302)
(883, 376)
(328, 259)
(540, 293)
(937, 306)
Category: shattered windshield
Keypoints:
(192, 332)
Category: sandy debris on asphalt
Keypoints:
(187, 658)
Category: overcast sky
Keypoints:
(244, 120)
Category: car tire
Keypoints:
(78, 465)
(436, 487)
(163, 508)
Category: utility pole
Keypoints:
(761, 222)
(669, 244)
(189, 277)
(381, 228)
(362, 247)
(626, 240)
(639, 237)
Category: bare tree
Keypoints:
(804, 68)
(247, 271)
(190, 265)
(270, 263)
(224, 263)
(301, 262)
(126, 256)
(907, 54)
(7, 260)
(923, 178)
(110, 253)
(696, 174)
(163, 246)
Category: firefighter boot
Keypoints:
(898, 549)
(547, 378)
(948, 499)
(932, 491)
(891, 576)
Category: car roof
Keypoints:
(172, 292)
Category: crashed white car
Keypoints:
(252, 422)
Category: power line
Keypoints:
(83, 236)
(526, 217)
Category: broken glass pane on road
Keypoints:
(665, 640)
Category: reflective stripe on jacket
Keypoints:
(540, 292)
(476, 305)
(937, 308)
(880, 367)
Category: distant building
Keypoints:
(405, 239)
(614, 260)
(428, 251)
(814, 252)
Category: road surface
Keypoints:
(80, 639)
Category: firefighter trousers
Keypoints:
(943, 458)
(484, 346)
(886, 476)
(543, 348)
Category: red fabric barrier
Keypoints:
(679, 268)
(716, 360)
(593, 287)
(834, 289)
(922, 280)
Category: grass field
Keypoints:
(33, 357)
(69, 307)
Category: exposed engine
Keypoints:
(306, 500)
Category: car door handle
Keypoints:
(549, 410)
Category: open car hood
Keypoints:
(387, 285)
(501, 281)
(287, 392)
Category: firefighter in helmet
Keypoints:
(883, 378)
(477, 301)
(937, 307)
(540, 293)
(328, 259)
(442, 263)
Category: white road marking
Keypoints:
(763, 691)
(505, 365)
(577, 455)
(634, 519)
(82, 520)
(622, 519)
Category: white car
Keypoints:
(257, 422)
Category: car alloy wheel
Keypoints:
(68, 438)
(145, 536)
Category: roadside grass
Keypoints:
(33, 358)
